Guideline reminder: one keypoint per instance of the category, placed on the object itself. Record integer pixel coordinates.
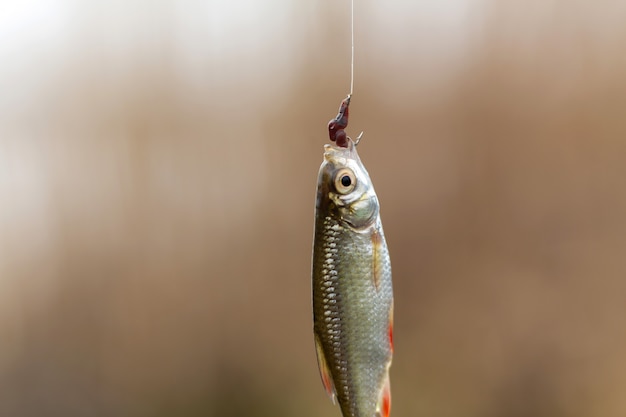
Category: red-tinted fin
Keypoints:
(390, 330)
(383, 408)
(327, 378)
(377, 242)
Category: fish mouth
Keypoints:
(333, 152)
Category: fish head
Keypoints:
(344, 189)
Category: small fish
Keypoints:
(352, 291)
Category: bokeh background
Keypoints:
(158, 162)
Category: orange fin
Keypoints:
(327, 378)
(383, 408)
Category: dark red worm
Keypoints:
(337, 125)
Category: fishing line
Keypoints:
(352, 59)
(358, 138)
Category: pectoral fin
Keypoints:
(327, 378)
(383, 408)
(377, 244)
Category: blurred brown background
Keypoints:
(158, 162)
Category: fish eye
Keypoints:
(345, 181)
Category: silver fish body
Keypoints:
(352, 289)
